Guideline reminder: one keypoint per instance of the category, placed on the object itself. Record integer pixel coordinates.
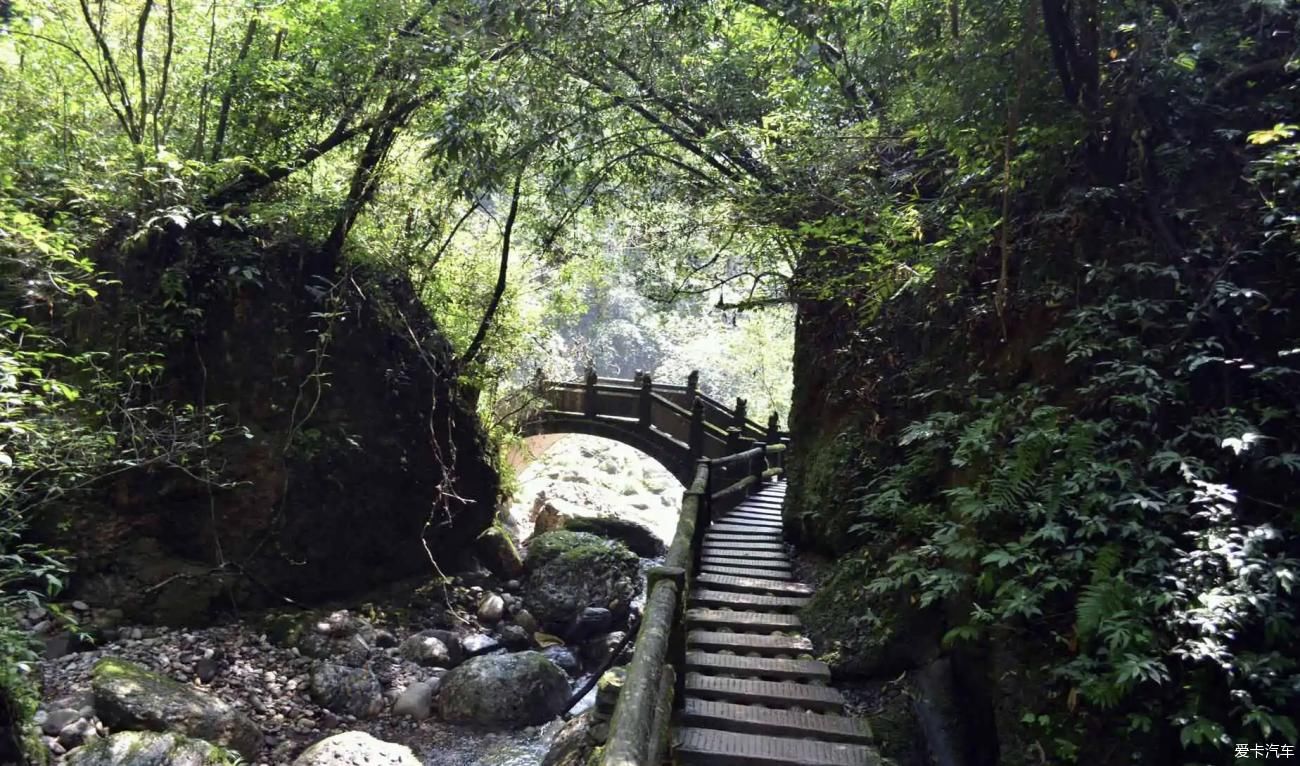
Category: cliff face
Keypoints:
(340, 454)
(1023, 508)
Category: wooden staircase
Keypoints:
(754, 694)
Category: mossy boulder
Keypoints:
(637, 537)
(128, 696)
(504, 690)
(568, 572)
(498, 553)
(147, 748)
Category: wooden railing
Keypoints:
(640, 726)
(697, 422)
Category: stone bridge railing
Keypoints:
(640, 727)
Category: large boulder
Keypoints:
(639, 538)
(147, 748)
(128, 696)
(356, 748)
(504, 690)
(347, 690)
(572, 571)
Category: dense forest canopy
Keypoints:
(1097, 196)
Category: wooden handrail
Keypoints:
(639, 729)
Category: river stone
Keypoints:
(428, 648)
(475, 644)
(599, 650)
(417, 700)
(564, 658)
(491, 608)
(147, 748)
(77, 733)
(573, 743)
(356, 748)
(572, 571)
(504, 690)
(525, 619)
(637, 537)
(128, 696)
(514, 637)
(499, 553)
(347, 690)
(593, 621)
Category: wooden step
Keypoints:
(703, 597)
(760, 506)
(747, 571)
(788, 723)
(747, 543)
(726, 748)
(777, 669)
(743, 551)
(768, 622)
(745, 529)
(746, 540)
(750, 521)
(742, 560)
(745, 643)
(747, 691)
(748, 518)
(753, 585)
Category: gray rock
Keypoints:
(564, 658)
(593, 621)
(504, 690)
(56, 719)
(128, 696)
(571, 571)
(356, 748)
(77, 733)
(417, 700)
(514, 637)
(525, 619)
(147, 748)
(347, 690)
(491, 608)
(206, 669)
(426, 648)
(573, 743)
(597, 651)
(478, 643)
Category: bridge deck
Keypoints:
(754, 695)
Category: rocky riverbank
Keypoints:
(473, 671)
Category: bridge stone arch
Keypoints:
(674, 425)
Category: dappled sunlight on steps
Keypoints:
(754, 694)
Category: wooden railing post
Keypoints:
(734, 440)
(696, 438)
(741, 413)
(757, 465)
(589, 395)
(773, 428)
(644, 403)
(692, 385)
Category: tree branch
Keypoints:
(476, 345)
